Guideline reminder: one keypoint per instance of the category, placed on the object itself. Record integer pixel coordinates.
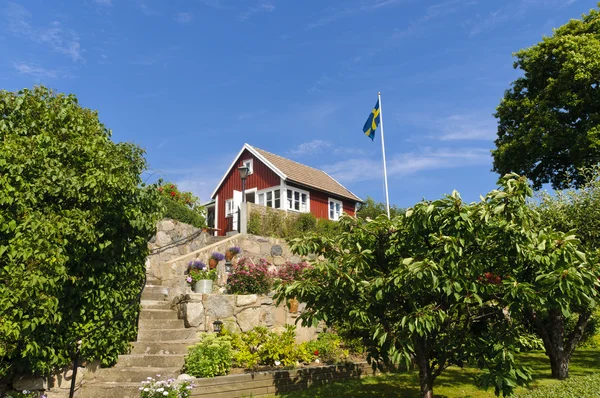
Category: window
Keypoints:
(248, 163)
(270, 198)
(335, 209)
(297, 200)
(228, 207)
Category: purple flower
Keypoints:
(234, 250)
(217, 256)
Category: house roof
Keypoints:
(292, 171)
(307, 176)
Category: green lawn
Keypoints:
(453, 383)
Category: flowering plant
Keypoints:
(23, 394)
(290, 272)
(234, 250)
(170, 388)
(217, 256)
(197, 270)
(250, 278)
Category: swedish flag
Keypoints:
(372, 122)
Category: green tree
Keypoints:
(447, 283)
(371, 209)
(75, 220)
(181, 205)
(549, 120)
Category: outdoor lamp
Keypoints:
(217, 326)
(228, 267)
(244, 170)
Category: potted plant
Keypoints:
(287, 274)
(200, 277)
(214, 259)
(232, 252)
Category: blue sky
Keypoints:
(192, 81)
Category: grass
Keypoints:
(454, 382)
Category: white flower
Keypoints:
(160, 389)
(148, 378)
(165, 393)
(146, 389)
(317, 360)
(141, 388)
(277, 363)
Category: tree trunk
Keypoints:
(560, 366)
(425, 375)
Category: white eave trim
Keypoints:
(257, 155)
(355, 197)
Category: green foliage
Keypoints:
(170, 388)
(328, 348)
(371, 209)
(279, 349)
(211, 357)
(549, 120)
(289, 225)
(75, 221)
(575, 387)
(22, 394)
(447, 283)
(180, 212)
(170, 191)
(249, 277)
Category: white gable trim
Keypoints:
(257, 155)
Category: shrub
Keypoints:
(290, 272)
(76, 220)
(250, 278)
(211, 357)
(180, 212)
(279, 349)
(255, 223)
(328, 348)
(170, 388)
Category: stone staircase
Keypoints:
(160, 349)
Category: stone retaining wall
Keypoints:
(240, 313)
(259, 384)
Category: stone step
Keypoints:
(167, 334)
(162, 347)
(161, 323)
(110, 390)
(153, 281)
(155, 295)
(158, 314)
(156, 289)
(150, 361)
(155, 305)
(134, 374)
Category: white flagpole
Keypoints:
(387, 197)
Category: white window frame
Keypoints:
(264, 195)
(290, 202)
(337, 212)
(250, 164)
(229, 207)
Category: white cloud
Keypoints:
(183, 17)
(262, 7)
(365, 168)
(57, 37)
(35, 71)
(458, 127)
(310, 148)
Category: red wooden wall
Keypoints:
(319, 204)
(261, 178)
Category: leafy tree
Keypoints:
(371, 209)
(181, 205)
(549, 120)
(447, 283)
(75, 221)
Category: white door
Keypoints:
(237, 201)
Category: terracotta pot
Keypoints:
(212, 263)
(229, 256)
(293, 305)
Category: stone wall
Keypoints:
(174, 239)
(240, 313)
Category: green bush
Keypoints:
(328, 348)
(211, 357)
(255, 223)
(249, 277)
(279, 224)
(574, 387)
(183, 213)
(76, 220)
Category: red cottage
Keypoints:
(279, 183)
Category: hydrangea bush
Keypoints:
(170, 388)
(249, 277)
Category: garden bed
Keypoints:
(261, 383)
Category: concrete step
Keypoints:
(158, 314)
(156, 289)
(150, 361)
(156, 295)
(153, 281)
(161, 323)
(135, 374)
(167, 334)
(162, 347)
(155, 305)
(110, 390)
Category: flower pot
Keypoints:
(212, 263)
(293, 305)
(203, 286)
(229, 256)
